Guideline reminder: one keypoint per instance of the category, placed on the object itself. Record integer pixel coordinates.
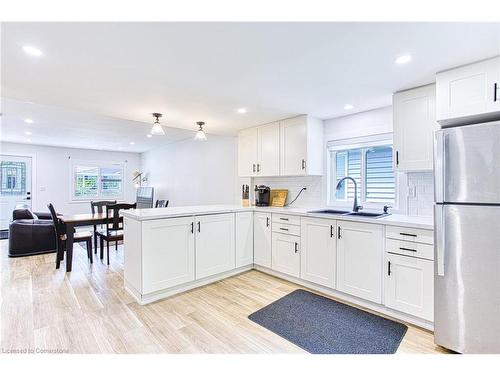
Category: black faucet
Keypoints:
(355, 207)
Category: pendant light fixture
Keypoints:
(200, 134)
(157, 128)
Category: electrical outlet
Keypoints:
(412, 191)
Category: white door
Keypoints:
(268, 150)
(168, 253)
(318, 251)
(262, 239)
(244, 239)
(15, 186)
(286, 254)
(247, 152)
(215, 244)
(409, 285)
(414, 126)
(468, 90)
(359, 259)
(293, 146)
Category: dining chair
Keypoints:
(161, 203)
(99, 207)
(114, 226)
(60, 232)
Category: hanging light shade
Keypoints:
(200, 134)
(157, 129)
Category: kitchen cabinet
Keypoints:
(359, 259)
(215, 244)
(168, 256)
(247, 152)
(409, 285)
(262, 239)
(301, 146)
(244, 238)
(286, 254)
(318, 251)
(469, 93)
(414, 116)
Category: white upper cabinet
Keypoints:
(215, 244)
(268, 150)
(301, 146)
(414, 126)
(359, 259)
(244, 238)
(291, 147)
(318, 251)
(469, 93)
(247, 152)
(262, 239)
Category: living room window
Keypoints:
(369, 162)
(92, 181)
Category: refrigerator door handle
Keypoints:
(439, 165)
(439, 238)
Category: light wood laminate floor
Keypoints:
(88, 311)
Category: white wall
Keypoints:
(51, 173)
(193, 172)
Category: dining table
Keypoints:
(79, 220)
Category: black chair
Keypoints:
(60, 232)
(114, 226)
(161, 203)
(99, 205)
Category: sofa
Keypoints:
(31, 233)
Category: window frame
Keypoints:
(73, 164)
(363, 143)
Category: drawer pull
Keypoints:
(284, 218)
(407, 234)
(284, 229)
(405, 248)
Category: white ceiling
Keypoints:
(206, 71)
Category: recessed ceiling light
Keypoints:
(28, 133)
(33, 51)
(28, 121)
(403, 59)
(149, 135)
(242, 110)
(348, 106)
(132, 143)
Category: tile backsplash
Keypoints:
(420, 194)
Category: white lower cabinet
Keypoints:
(244, 238)
(318, 251)
(215, 244)
(168, 255)
(262, 239)
(409, 285)
(286, 254)
(359, 259)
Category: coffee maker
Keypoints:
(262, 195)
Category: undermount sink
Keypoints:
(373, 215)
(330, 212)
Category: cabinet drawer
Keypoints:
(294, 230)
(286, 219)
(414, 249)
(410, 234)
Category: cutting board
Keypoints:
(278, 197)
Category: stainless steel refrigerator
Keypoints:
(467, 238)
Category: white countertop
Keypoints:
(169, 212)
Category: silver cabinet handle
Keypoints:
(495, 91)
(296, 247)
(284, 218)
(199, 227)
(253, 168)
(389, 268)
(303, 164)
(258, 167)
(397, 158)
(267, 222)
(284, 229)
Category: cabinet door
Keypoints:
(469, 90)
(168, 253)
(262, 239)
(244, 238)
(359, 259)
(414, 126)
(318, 251)
(268, 150)
(409, 285)
(247, 152)
(293, 146)
(286, 254)
(215, 244)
